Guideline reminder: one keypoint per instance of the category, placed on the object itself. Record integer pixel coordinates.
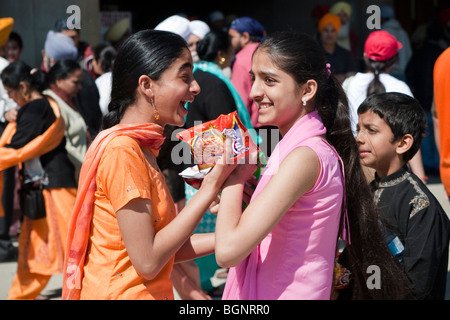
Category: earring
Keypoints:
(222, 60)
(304, 102)
(26, 96)
(155, 112)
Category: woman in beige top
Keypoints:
(65, 78)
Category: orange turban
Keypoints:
(6, 25)
(332, 19)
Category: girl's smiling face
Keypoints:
(175, 87)
(276, 93)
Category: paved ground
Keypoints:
(53, 289)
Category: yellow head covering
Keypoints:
(117, 30)
(330, 19)
(6, 25)
(339, 6)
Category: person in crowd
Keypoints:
(13, 50)
(441, 83)
(283, 245)
(380, 54)
(104, 56)
(57, 47)
(419, 76)
(246, 33)
(317, 13)
(7, 251)
(37, 140)
(14, 47)
(74, 34)
(217, 20)
(87, 99)
(390, 131)
(118, 32)
(6, 104)
(65, 82)
(121, 183)
(346, 37)
(198, 31)
(391, 25)
(340, 59)
(85, 54)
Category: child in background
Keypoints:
(390, 131)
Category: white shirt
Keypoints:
(76, 143)
(104, 83)
(356, 89)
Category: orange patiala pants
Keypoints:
(42, 244)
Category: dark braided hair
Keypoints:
(378, 67)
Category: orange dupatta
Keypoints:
(40, 145)
(150, 135)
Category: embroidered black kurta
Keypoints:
(414, 214)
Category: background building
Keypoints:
(33, 18)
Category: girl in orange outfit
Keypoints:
(124, 235)
(37, 140)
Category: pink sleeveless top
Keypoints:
(296, 259)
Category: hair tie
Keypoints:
(328, 69)
(33, 71)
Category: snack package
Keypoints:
(207, 142)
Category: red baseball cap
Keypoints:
(381, 46)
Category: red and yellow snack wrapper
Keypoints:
(207, 141)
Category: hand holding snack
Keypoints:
(222, 168)
(207, 141)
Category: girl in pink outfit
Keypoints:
(283, 246)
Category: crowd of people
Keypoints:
(90, 188)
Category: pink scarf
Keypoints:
(149, 135)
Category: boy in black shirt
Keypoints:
(390, 131)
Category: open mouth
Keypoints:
(183, 107)
(263, 106)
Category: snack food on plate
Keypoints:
(207, 142)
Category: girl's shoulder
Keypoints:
(121, 143)
(121, 149)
